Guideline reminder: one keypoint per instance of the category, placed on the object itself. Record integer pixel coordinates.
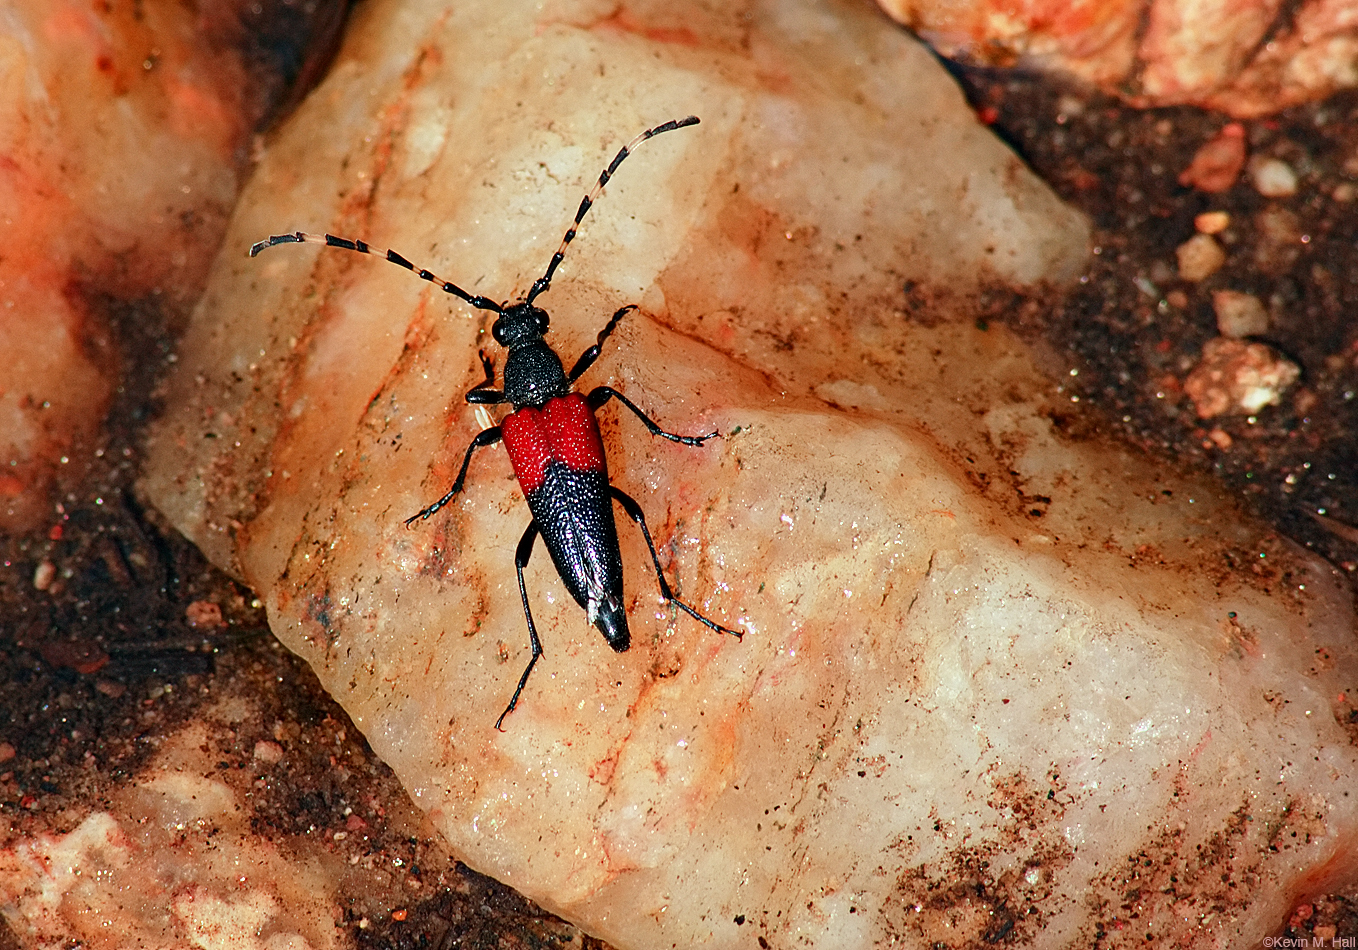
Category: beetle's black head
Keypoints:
(611, 620)
(520, 323)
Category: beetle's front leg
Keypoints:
(484, 437)
(480, 394)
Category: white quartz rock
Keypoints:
(993, 681)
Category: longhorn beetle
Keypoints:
(553, 440)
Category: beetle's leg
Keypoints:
(480, 394)
(484, 437)
(635, 513)
(602, 394)
(521, 556)
(588, 357)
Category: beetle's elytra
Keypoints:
(552, 438)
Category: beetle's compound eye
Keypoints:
(498, 331)
(542, 320)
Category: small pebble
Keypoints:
(1219, 438)
(1238, 377)
(1273, 177)
(1069, 106)
(270, 753)
(203, 614)
(1199, 257)
(42, 577)
(1239, 315)
(1217, 164)
(1212, 222)
(1277, 235)
(110, 688)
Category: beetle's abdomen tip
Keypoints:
(612, 623)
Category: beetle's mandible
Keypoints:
(552, 438)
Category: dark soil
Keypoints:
(1133, 329)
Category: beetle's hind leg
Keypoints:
(634, 512)
(521, 556)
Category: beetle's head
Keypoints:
(520, 323)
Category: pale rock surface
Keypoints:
(993, 681)
(1244, 57)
